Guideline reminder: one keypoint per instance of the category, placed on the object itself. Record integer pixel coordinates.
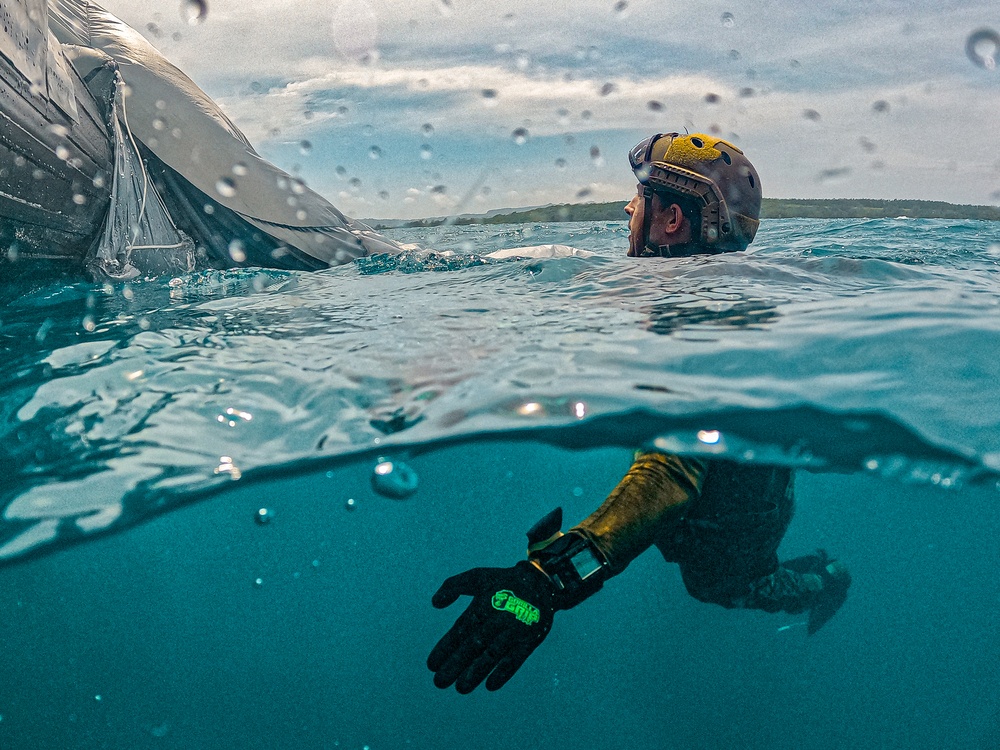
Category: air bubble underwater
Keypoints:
(394, 479)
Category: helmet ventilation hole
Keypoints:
(750, 177)
(697, 143)
(727, 158)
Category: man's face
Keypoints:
(635, 209)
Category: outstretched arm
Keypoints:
(512, 608)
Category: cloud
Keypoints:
(347, 75)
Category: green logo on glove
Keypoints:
(505, 601)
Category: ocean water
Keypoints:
(145, 426)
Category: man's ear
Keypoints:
(673, 218)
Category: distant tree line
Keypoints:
(772, 208)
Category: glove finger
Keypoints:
(509, 665)
(470, 679)
(468, 583)
(477, 639)
(451, 641)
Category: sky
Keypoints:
(414, 108)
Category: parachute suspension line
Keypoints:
(142, 167)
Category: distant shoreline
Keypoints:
(772, 208)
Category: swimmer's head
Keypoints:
(714, 185)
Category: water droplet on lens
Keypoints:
(305, 148)
(258, 582)
(712, 98)
(520, 136)
(445, 8)
(595, 156)
(79, 199)
(426, 152)
(62, 153)
(240, 169)
(489, 97)
(225, 187)
(194, 11)
(340, 172)
(728, 20)
(608, 88)
(881, 106)
(983, 48)
(262, 516)
(237, 251)
(375, 152)
(746, 92)
(427, 129)
(394, 479)
(654, 105)
(383, 194)
(811, 114)
(561, 163)
(159, 123)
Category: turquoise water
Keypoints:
(864, 352)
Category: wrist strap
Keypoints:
(573, 564)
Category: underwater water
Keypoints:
(173, 410)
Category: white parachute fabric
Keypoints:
(175, 121)
(139, 237)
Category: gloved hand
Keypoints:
(510, 614)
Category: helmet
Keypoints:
(712, 173)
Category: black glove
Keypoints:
(510, 614)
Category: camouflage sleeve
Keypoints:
(654, 493)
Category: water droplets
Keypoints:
(226, 187)
(728, 20)
(654, 106)
(621, 7)
(983, 48)
(354, 31)
(595, 156)
(520, 136)
(194, 11)
(237, 251)
(608, 88)
(881, 106)
(305, 147)
(426, 152)
(263, 516)
(445, 7)
(560, 163)
(375, 153)
(489, 97)
(427, 129)
(811, 114)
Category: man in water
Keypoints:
(721, 521)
